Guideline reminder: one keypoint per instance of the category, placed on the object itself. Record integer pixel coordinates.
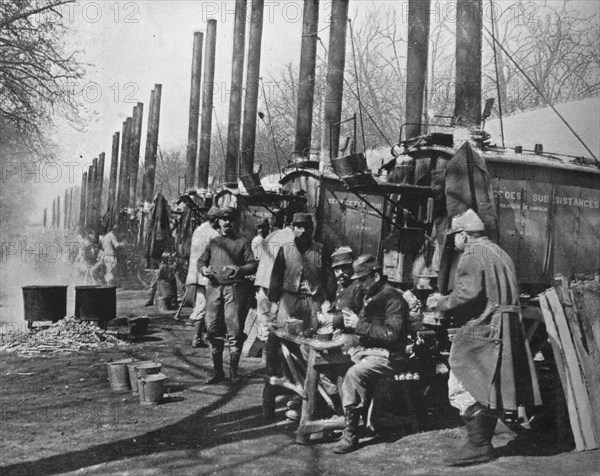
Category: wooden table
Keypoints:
(302, 378)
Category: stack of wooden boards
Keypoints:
(572, 317)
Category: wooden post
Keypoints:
(235, 99)
(134, 158)
(114, 167)
(194, 114)
(252, 83)
(334, 88)
(123, 192)
(82, 203)
(207, 104)
(416, 69)
(152, 144)
(467, 101)
(306, 81)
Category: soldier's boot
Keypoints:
(349, 441)
(216, 349)
(199, 329)
(234, 363)
(478, 447)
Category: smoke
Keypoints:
(38, 257)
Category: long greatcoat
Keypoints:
(490, 355)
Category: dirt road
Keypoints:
(58, 415)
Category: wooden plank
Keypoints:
(590, 363)
(582, 399)
(561, 367)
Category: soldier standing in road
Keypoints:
(226, 262)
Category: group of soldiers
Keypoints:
(286, 273)
(99, 258)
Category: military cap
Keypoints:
(365, 265)
(468, 221)
(302, 219)
(343, 255)
(228, 212)
(213, 212)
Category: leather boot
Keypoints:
(349, 441)
(217, 356)
(478, 447)
(234, 362)
(197, 342)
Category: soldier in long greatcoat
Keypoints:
(492, 372)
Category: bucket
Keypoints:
(143, 369)
(118, 375)
(151, 389)
(132, 370)
(95, 303)
(44, 303)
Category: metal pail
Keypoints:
(118, 375)
(152, 388)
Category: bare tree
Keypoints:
(35, 69)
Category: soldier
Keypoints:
(110, 253)
(263, 306)
(348, 295)
(297, 281)
(381, 329)
(200, 239)
(226, 262)
(491, 365)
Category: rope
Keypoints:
(497, 76)
(358, 99)
(262, 85)
(362, 125)
(542, 95)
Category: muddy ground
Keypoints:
(58, 415)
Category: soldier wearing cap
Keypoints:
(381, 329)
(264, 228)
(227, 260)
(200, 239)
(491, 366)
(297, 280)
(348, 294)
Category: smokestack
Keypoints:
(252, 83)
(66, 209)
(99, 186)
(467, 106)
(58, 212)
(190, 169)
(70, 222)
(235, 99)
(90, 212)
(82, 203)
(334, 88)
(207, 104)
(45, 220)
(53, 213)
(134, 157)
(123, 192)
(306, 82)
(152, 143)
(114, 167)
(416, 67)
